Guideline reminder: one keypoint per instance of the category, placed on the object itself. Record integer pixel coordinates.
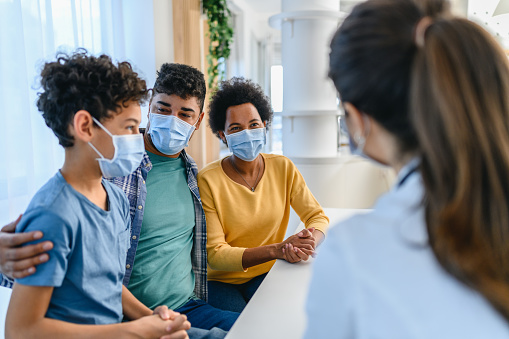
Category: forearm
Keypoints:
(259, 255)
(132, 307)
(319, 236)
(57, 329)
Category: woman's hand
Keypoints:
(299, 246)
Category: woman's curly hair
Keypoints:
(233, 92)
(182, 80)
(83, 82)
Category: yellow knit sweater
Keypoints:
(238, 218)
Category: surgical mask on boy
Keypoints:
(169, 134)
(247, 144)
(129, 150)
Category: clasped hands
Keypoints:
(299, 246)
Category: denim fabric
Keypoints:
(202, 315)
(199, 333)
(232, 297)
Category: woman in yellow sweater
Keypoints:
(247, 198)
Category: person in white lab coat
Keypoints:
(427, 94)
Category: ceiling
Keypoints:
(274, 6)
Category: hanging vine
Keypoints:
(221, 36)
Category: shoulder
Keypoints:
(189, 160)
(54, 223)
(55, 199)
(397, 218)
(278, 161)
(210, 169)
(276, 158)
(49, 193)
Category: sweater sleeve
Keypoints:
(220, 255)
(304, 203)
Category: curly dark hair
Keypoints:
(233, 92)
(80, 81)
(182, 80)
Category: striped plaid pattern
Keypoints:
(134, 187)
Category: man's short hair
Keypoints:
(182, 80)
(84, 82)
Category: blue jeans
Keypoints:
(232, 297)
(198, 333)
(202, 315)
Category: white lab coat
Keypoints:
(376, 277)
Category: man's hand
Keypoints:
(19, 262)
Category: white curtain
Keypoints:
(31, 32)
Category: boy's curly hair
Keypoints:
(233, 92)
(84, 82)
(182, 80)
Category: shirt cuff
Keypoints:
(6, 281)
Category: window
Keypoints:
(32, 31)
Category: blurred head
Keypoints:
(93, 85)
(370, 63)
(439, 85)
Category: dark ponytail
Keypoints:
(460, 105)
(449, 100)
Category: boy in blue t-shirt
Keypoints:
(93, 107)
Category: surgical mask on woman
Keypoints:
(356, 143)
(247, 144)
(129, 150)
(169, 134)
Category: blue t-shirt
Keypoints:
(87, 263)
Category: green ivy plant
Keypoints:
(221, 36)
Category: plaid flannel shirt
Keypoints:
(136, 190)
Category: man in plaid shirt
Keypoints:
(168, 230)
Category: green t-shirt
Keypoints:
(162, 272)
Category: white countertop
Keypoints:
(277, 308)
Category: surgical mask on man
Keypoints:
(169, 134)
(247, 144)
(129, 150)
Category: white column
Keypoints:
(310, 110)
(309, 98)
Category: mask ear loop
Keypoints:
(112, 138)
(360, 140)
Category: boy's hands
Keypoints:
(165, 313)
(153, 326)
(19, 262)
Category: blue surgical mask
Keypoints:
(169, 134)
(357, 142)
(247, 144)
(129, 150)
